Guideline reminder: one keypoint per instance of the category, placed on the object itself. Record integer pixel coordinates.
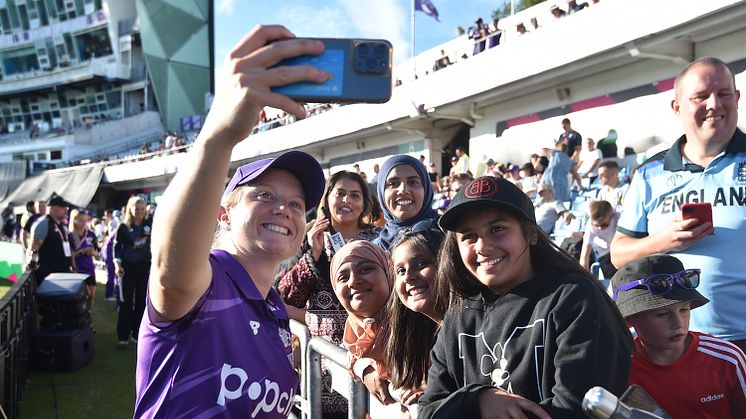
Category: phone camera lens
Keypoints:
(380, 50)
(360, 65)
(363, 49)
(688, 209)
(371, 63)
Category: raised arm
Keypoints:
(184, 224)
(678, 235)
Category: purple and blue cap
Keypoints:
(302, 165)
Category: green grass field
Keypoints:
(105, 388)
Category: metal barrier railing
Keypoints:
(16, 321)
(309, 399)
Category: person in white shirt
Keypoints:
(528, 181)
(612, 189)
(588, 162)
(598, 235)
(548, 210)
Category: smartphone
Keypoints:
(328, 216)
(335, 239)
(699, 210)
(635, 396)
(360, 71)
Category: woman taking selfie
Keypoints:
(530, 331)
(303, 280)
(215, 339)
(406, 195)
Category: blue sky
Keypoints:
(388, 19)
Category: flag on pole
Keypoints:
(426, 7)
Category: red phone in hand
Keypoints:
(702, 211)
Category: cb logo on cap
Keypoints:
(482, 188)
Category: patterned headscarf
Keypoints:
(360, 332)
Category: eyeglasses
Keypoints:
(663, 283)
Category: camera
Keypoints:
(359, 69)
(371, 58)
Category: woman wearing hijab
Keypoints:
(363, 281)
(406, 194)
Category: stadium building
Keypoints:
(89, 80)
(607, 67)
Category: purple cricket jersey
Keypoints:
(230, 356)
(84, 263)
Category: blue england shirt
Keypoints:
(660, 187)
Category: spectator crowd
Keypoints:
(481, 293)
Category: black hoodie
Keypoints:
(549, 340)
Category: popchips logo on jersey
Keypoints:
(266, 393)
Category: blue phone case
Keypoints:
(360, 71)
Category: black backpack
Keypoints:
(573, 246)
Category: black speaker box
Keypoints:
(62, 287)
(65, 350)
(62, 302)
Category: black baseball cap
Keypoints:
(302, 165)
(485, 192)
(58, 201)
(638, 300)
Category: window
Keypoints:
(93, 44)
(5, 21)
(23, 13)
(114, 99)
(55, 155)
(20, 60)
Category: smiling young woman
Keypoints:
(303, 280)
(529, 330)
(406, 193)
(215, 338)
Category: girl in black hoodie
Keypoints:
(530, 330)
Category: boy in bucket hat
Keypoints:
(689, 374)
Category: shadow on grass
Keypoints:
(105, 388)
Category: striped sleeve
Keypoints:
(730, 353)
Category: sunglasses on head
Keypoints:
(420, 226)
(661, 284)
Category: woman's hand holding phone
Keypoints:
(315, 237)
(248, 76)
